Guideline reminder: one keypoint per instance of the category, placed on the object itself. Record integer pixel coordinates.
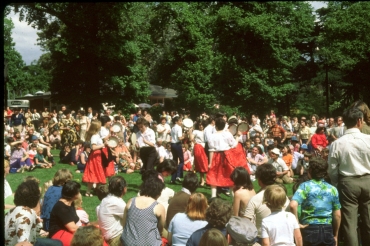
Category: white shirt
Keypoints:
(279, 164)
(279, 228)
(257, 210)
(168, 154)
(176, 133)
(349, 155)
(199, 137)
(208, 131)
(7, 189)
(255, 129)
(221, 141)
(104, 132)
(110, 216)
(161, 151)
(148, 135)
(163, 135)
(95, 139)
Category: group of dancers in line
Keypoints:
(216, 151)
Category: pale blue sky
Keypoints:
(25, 36)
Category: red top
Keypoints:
(319, 140)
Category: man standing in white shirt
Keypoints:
(349, 170)
(110, 214)
(145, 140)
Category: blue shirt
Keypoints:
(318, 200)
(197, 235)
(17, 119)
(52, 195)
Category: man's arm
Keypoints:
(333, 167)
(336, 223)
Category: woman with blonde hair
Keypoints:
(100, 156)
(183, 225)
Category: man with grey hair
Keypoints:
(349, 170)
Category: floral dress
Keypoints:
(68, 136)
(21, 225)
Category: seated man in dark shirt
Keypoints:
(218, 215)
(179, 202)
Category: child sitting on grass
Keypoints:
(81, 213)
(280, 227)
(40, 160)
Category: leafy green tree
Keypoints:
(344, 47)
(96, 50)
(16, 78)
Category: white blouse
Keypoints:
(95, 139)
(221, 141)
(199, 137)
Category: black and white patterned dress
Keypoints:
(141, 227)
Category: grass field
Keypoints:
(89, 203)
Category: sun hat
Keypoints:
(241, 230)
(276, 151)
(34, 137)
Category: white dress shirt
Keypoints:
(148, 135)
(110, 216)
(199, 137)
(176, 133)
(349, 155)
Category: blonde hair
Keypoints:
(93, 129)
(274, 197)
(78, 201)
(47, 185)
(31, 178)
(62, 176)
(197, 206)
(88, 236)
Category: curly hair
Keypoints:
(27, 194)
(318, 168)
(167, 165)
(152, 187)
(88, 236)
(218, 213)
(266, 173)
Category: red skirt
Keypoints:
(223, 164)
(94, 170)
(240, 153)
(200, 159)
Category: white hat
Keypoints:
(276, 151)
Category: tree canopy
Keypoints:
(245, 56)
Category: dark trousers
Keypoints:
(354, 196)
(318, 235)
(148, 155)
(178, 157)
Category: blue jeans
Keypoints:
(318, 235)
(176, 150)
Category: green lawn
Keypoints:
(89, 203)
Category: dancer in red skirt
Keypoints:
(97, 163)
(222, 157)
(200, 157)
